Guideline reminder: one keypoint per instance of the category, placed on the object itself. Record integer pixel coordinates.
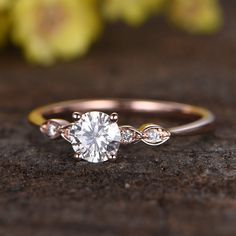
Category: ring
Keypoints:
(95, 136)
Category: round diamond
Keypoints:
(95, 137)
(127, 135)
(155, 135)
(52, 127)
(152, 135)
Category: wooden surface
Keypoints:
(186, 187)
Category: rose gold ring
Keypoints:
(95, 136)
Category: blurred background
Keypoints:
(50, 30)
(178, 50)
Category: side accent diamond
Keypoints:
(129, 134)
(155, 135)
(52, 128)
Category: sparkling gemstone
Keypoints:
(129, 134)
(51, 128)
(95, 137)
(155, 135)
(152, 135)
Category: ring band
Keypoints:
(95, 136)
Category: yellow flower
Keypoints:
(3, 28)
(54, 29)
(4, 21)
(4, 4)
(134, 12)
(196, 16)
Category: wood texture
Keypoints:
(186, 187)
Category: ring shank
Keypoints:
(203, 123)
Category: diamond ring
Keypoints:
(95, 135)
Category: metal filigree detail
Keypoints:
(96, 136)
(150, 134)
(52, 128)
(155, 135)
(129, 134)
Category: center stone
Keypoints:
(95, 137)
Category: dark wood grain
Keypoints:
(186, 187)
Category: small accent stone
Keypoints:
(128, 135)
(153, 135)
(51, 128)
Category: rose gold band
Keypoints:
(204, 118)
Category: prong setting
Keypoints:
(114, 117)
(112, 157)
(77, 155)
(76, 115)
